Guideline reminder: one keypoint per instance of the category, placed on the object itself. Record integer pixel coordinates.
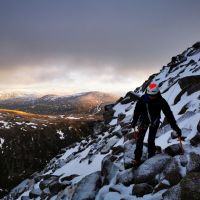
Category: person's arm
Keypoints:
(170, 117)
(137, 112)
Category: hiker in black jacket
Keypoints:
(147, 115)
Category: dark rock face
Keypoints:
(172, 172)
(173, 193)
(108, 113)
(198, 127)
(188, 84)
(173, 150)
(35, 193)
(194, 163)
(88, 187)
(190, 187)
(141, 189)
(195, 141)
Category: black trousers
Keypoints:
(151, 142)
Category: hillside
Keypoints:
(100, 166)
(28, 141)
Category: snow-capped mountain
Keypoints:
(81, 103)
(100, 166)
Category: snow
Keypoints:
(5, 125)
(81, 168)
(73, 117)
(1, 142)
(61, 134)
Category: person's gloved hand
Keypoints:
(179, 132)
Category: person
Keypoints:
(147, 115)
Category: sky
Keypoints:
(71, 46)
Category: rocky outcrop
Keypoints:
(141, 189)
(188, 188)
(150, 168)
(88, 187)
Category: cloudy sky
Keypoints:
(69, 46)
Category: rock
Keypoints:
(110, 143)
(108, 113)
(147, 171)
(56, 187)
(117, 150)
(25, 198)
(198, 127)
(174, 193)
(164, 184)
(141, 189)
(69, 178)
(129, 148)
(108, 168)
(172, 172)
(193, 163)
(125, 130)
(190, 186)
(45, 193)
(121, 116)
(24, 185)
(173, 150)
(35, 193)
(45, 183)
(195, 140)
(126, 177)
(196, 45)
(88, 187)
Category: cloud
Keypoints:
(46, 42)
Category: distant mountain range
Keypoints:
(77, 104)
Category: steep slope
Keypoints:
(100, 167)
(81, 103)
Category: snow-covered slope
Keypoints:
(100, 167)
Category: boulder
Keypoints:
(126, 177)
(195, 141)
(129, 148)
(45, 183)
(147, 171)
(190, 186)
(35, 193)
(164, 184)
(173, 150)
(173, 193)
(193, 163)
(108, 168)
(141, 189)
(56, 187)
(117, 149)
(88, 187)
(110, 143)
(113, 196)
(172, 172)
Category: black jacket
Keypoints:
(147, 111)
